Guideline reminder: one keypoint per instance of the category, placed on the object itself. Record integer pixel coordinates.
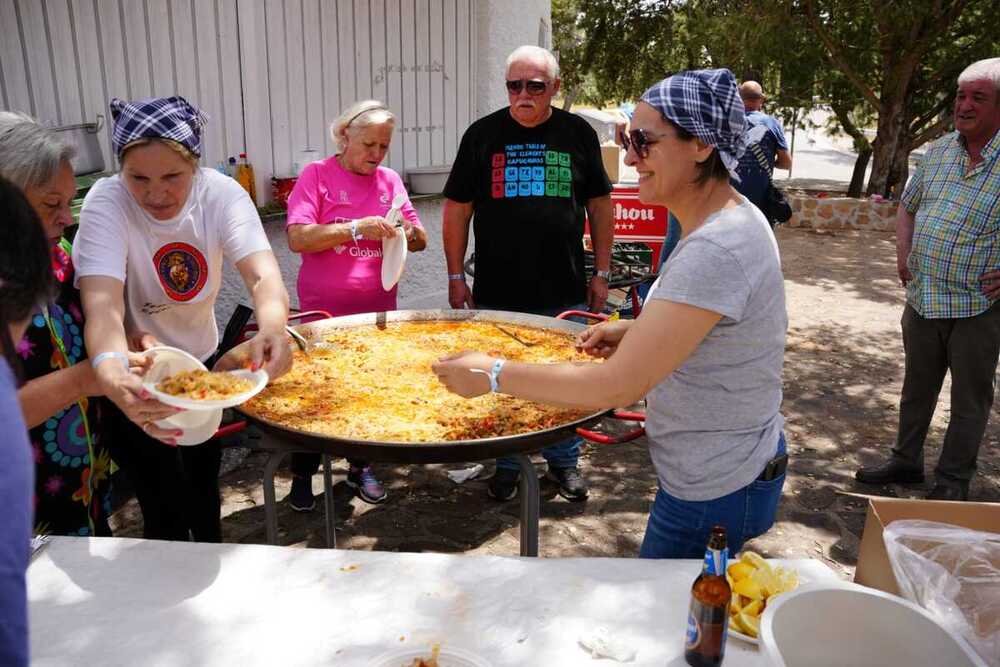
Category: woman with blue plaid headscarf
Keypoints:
(707, 350)
(149, 256)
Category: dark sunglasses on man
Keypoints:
(638, 139)
(535, 87)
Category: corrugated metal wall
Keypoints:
(270, 74)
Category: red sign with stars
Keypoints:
(635, 222)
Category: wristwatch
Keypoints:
(603, 274)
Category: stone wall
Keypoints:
(811, 211)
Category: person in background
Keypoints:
(25, 280)
(336, 220)
(948, 260)
(59, 397)
(707, 349)
(149, 259)
(529, 173)
(766, 147)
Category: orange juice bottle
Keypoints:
(246, 178)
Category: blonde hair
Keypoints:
(178, 148)
(360, 114)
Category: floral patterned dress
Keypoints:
(72, 467)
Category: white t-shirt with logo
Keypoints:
(172, 269)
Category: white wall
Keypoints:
(270, 74)
(505, 25)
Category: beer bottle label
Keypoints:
(715, 561)
(706, 629)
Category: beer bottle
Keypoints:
(708, 617)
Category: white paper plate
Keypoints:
(448, 657)
(258, 378)
(739, 635)
(197, 425)
(393, 258)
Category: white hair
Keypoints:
(988, 69)
(535, 54)
(359, 115)
(30, 155)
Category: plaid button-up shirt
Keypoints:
(957, 219)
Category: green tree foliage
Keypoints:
(887, 63)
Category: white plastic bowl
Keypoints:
(448, 657)
(827, 625)
(197, 425)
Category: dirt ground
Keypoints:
(843, 371)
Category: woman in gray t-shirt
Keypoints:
(708, 348)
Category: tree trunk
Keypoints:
(900, 170)
(891, 126)
(570, 97)
(858, 177)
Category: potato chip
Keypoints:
(754, 581)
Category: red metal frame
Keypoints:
(624, 415)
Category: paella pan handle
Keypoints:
(605, 439)
(230, 429)
(581, 313)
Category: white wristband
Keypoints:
(104, 356)
(495, 375)
(354, 230)
(456, 276)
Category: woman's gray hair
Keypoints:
(535, 54)
(30, 155)
(359, 115)
(988, 69)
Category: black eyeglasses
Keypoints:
(638, 139)
(534, 87)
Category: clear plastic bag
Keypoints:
(954, 573)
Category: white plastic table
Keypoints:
(112, 601)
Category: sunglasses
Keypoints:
(534, 87)
(640, 140)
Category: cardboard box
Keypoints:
(873, 567)
(611, 156)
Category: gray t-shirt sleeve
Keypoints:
(705, 275)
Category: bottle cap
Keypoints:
(243, 154)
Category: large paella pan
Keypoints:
(366, 389)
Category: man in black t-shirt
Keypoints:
(526, 176)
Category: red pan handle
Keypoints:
(581, 313)
(229, 429)
(605, 439)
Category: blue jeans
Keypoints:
(566, 453)
(680, 528)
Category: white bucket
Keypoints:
(827, 625)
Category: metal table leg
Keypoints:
(331, 535)
(529, 506)
(270, 504)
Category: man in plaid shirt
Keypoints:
(948, 258)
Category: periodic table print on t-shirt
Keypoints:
(530, 170)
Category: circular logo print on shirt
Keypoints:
(182, 270)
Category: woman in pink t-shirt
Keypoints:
(336, 221)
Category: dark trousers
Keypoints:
(177, 487)
(968, 347)
(306, 465)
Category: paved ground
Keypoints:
(843, 371)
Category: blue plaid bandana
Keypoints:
(706, 103)
(157, 118)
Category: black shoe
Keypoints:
(503, 486)
(301, 497)
(572, 486)
(948, 492)
(894, 471)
